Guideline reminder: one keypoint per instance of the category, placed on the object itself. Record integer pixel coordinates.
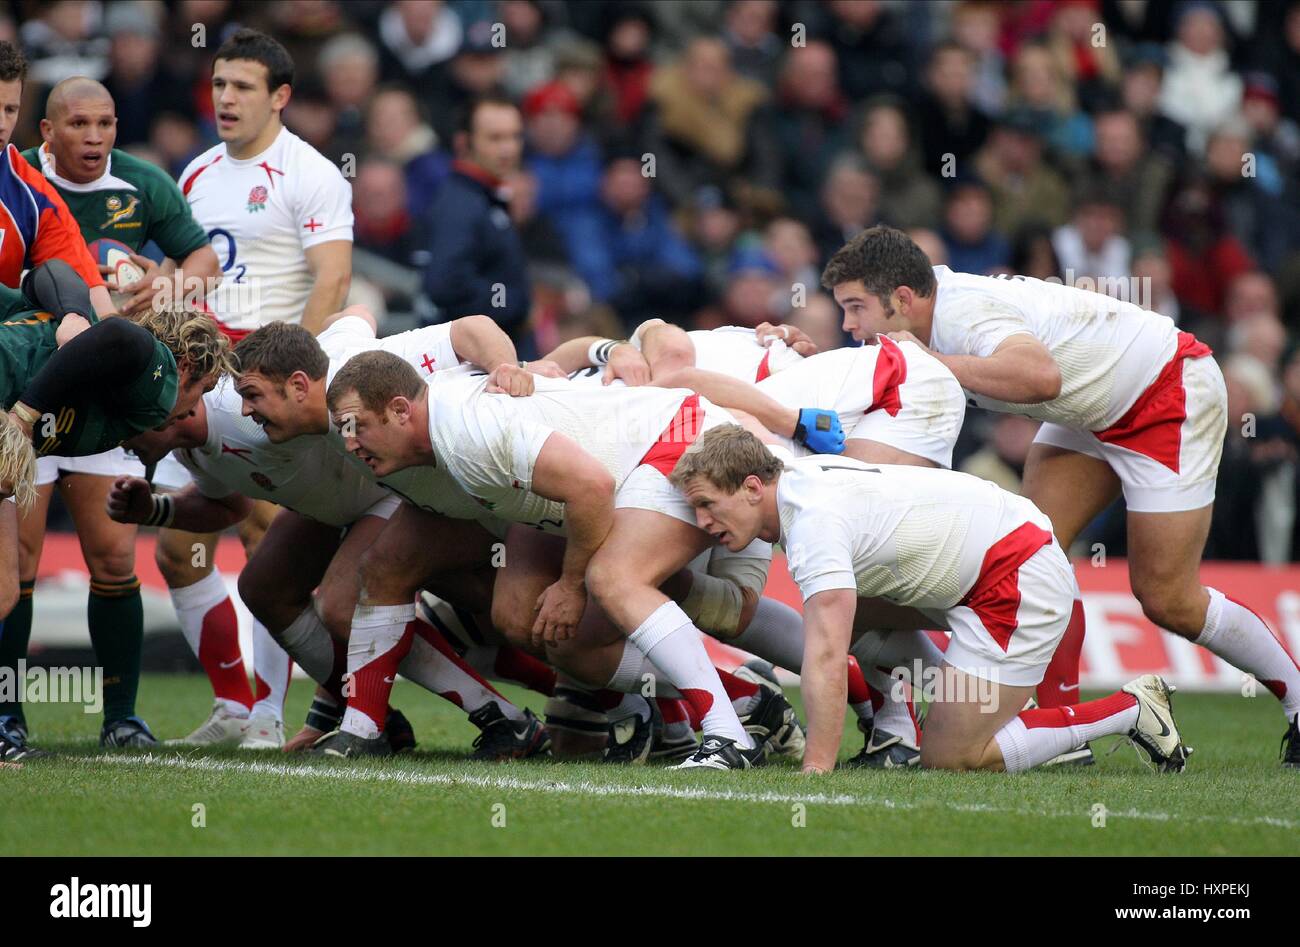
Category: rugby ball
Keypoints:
(117, 256)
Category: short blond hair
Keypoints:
(725, 455)
(17, 462)
(193, 335)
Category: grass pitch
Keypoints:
(1234, 798)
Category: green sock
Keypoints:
(115, 615)
(16, 632)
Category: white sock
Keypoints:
(774, 634)
(895, 715)
(272, 668)
(674, 644)
(1241, 638)
(451, 678)
(192, 604)
(632, 672)
(379, 632)
(308, 642)
(1036, 736)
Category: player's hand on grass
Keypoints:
(627, 364)
(70, 326)
(510, 379)
(130, 500)
(792, 336)
(559, 609)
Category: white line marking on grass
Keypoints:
(589, 788)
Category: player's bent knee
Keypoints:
(114, 565)
(178, 570)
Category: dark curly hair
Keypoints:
(884, 259)
(13, 64)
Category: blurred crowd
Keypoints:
(699, 161)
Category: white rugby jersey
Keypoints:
(913, 535)
(428, 350)
(736, 351)
(261, 213)
(310, 475)
(1108, 351)
(490, 442)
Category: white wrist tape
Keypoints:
(164, 511)
(598, 351)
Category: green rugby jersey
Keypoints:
(132, 202)
(89, 422)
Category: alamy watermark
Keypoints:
(53, 685)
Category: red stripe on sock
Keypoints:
(673, 710)
(859, 693)
(373, 682)
(435, 638)
(1060, 684)
(736, 688)
(452, 696)
(1072, 715)
(219, 654)
(522, 668)
(701, 701)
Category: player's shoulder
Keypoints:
(190, 176)
(139, 172)
(32, 156)
(303, 159)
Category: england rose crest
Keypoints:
(257, 199)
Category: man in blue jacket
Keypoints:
(476, 261)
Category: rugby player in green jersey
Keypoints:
(111, 195)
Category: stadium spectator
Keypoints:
(704, 129)
(395, 130)
(755, 291)
(379, 205)
(809, 119)
(819, 319)
(531, 44)
(931, 245)
(1277, 137)
(1199, 90)
(1153, 276)
(313, 117)
(416, 40)
(1088, 67)
(871, 47)
(946, 117)
(1264, 224)
(1123, 165)
(790, 246)
(175, 140)
(1032, 253)
(60, 41)
(476, 263)
(1204, 256)
(749, 31)
(1250, 294)
(1037, 86)
(908, 197)
(975, 26)
(1140, 94)
(1002, 458)
(564, 158)
(630, 252)
(1261, 336)
(714, 225)
(628, 68)
(349, 66)
(1093, 244)
(972, 245)
(1025, 187)
(474, 72)
(137, 80)
(847, 204)
(543, 243)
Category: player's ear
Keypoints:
(280, 97)
(401, 409)
(47, 129)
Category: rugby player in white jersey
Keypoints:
(332, 511)
(521, 458)
(1129, 403)
(897, 404)
(279, 216)
(961, 550)
(284, 375)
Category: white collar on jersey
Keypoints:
(105, 182)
